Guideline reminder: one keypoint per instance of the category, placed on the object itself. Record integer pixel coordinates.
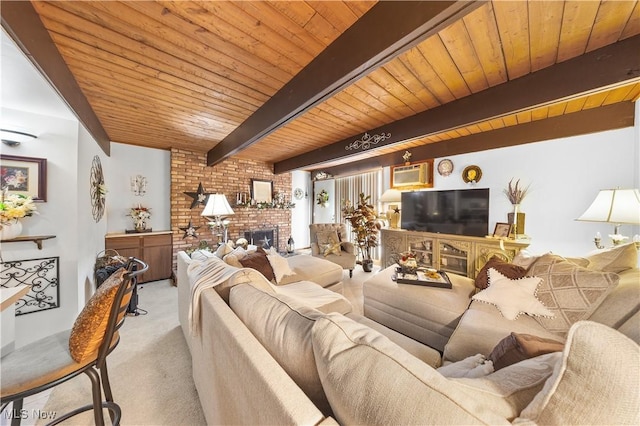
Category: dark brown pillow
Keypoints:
(517, 347)
(509, 270)
(258, 260)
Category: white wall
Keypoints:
(301, 213)
(57, 142)
(565, 175)
(154, 164)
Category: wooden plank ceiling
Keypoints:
(186, 74)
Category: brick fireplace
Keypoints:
(188, 169)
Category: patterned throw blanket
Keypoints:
(211, 273)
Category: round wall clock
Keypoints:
(298, 193)
(97, 189)
(445, 167)
(472, 174)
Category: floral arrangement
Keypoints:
(323, 198)
(140, 216)
(14, 207)
(407, 262)
(515, 193)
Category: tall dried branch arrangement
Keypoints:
(515, 193)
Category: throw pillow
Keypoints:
(471, 367)
(596, 383)
(258, 260)
(571, 292)
(327, 237)
(524, 258)
(333, 248)
(90, 325)
(518, 347)
(223, 250)
(280, 266)
(507, 269)
(512, 297)
(616, 259)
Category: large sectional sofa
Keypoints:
(296, 353)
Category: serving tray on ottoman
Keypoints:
(425, 277)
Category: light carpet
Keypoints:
(150, 370)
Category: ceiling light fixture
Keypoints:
(14, 138)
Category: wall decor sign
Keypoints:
(98, 189)
(43, 277)
(367, 141)
(262, 190)
(25, 176)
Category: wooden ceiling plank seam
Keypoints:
(160, 36)
(617, 95)
(193, 12)
(332, 70)
(383, 77)
(577, 21)
(21, 21)
(138, 52)
(496, 123)
(611, 117)
(545, 21)
(415, 61)
(361, 104)
(575, 105)
(458, 44)
(595, 100)
(436, 54)
(155, 87)
(557, 109)
(406, 78)
(615, 64)
(606, 28)
(361, 7)
(513, 25)
(633, 24)
(256, 31)
(634, 94)
(483, 30)
(337, 13)
(94, 56)
(540, 113)
(206, 38)
(322, 29)
(377, 97)
(298, 11)
(292, 31)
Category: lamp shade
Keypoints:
(614, 206)
(391, 196)
(217, 205)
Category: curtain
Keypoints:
(350, 187)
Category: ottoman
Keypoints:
(426, 314)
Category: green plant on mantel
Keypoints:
(365, 225)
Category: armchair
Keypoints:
(328, 241)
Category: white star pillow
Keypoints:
(513, 297)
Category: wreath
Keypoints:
(323, 198)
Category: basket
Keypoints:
(108, 257)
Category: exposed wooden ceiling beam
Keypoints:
(607, 66)
(387, 29)
(23, 24)
(614, 116)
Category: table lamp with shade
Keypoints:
(216, 211)
(393, 212)
(617, 206)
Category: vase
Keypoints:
(367, 265)
(516, 218)
(140, 225)
(10, 230)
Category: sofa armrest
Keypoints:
(348, 247)
(315, 251)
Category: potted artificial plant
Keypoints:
(365, 227)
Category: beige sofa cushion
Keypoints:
(596, 383)
(312, 295)
(283, 327)
(571, 292)
(370, 380)
(309, 268)
(616, 259)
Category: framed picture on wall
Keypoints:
(24, 175)
(262, 190)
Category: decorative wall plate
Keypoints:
(445, 167)
(298, 193)
(471, 174)
(96, 181)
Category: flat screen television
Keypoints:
(458, 212)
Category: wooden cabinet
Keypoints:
(451, 253)
(154, 248)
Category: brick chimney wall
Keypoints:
(189, 168)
